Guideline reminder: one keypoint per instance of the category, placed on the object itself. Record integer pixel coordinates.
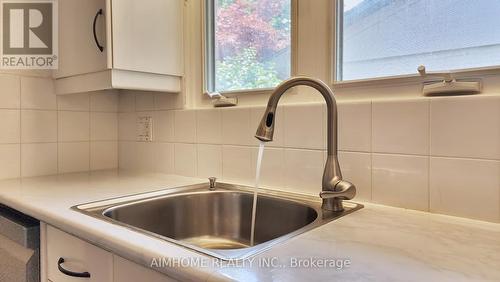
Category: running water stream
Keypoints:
(256, 191)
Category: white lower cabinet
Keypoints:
(79, 258)
(127, 271)
(84, 259)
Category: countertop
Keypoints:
(376, 243)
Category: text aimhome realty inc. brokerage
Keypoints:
(259, 262)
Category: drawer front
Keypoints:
(79, 257)
(127, 271)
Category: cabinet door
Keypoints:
(127, 271)
(78, 51)
(78, 256)
(147, 36)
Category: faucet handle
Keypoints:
(332, 200)
(213, 182)
(344, 190)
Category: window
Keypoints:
(380, 38)
(247, 44)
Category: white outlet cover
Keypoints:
(144, 129)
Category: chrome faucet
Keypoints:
(334, 189)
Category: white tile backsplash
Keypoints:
(209, 160)
(304, 171)
(401, 127)
(127, 155)
(73, 126)
(185, 126)
(10, 162)
(104, 101)
(163, 124)
(103, 155)
(73, 157)
(209, 126)
(74, 102)
(126, 102)
(11, 92)
(467, 127)
(54, 130)
(164, 158)
(236, 129)
(38, 159)
(168, 101)
(185, 159)
(38, 93)
(237, 165)
(465, 188)
(103, 126)
(304, 126)
(401, 181)
(145, 156)
(385, 146)
(357, 168)
(144, 102)
(10, 126)
(355, 126)
(38, 126)
(127, 126)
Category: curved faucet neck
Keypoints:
(331, 106)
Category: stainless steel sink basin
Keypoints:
(217, 223)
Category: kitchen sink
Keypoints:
(218, 222)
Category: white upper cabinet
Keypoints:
(78, 53)
(122, 44)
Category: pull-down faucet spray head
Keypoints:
(265, 131)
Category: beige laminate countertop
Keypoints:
(381, 243)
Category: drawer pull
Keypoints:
(71, 273)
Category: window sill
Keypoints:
(413, 79)
(236, 93)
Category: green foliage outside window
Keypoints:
(252, 43)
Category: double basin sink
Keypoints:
(216, 223)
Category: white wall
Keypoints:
(46, 134)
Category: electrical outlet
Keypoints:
(144, 128)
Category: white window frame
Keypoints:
(397, 80)
(208, 53)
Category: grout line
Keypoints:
(90, 131)
(38, 110)
(174, 157)
(371, 151)
(73, 110)
(222, 162)
(400, 154)
(20, 131)
(464, 158)
(302, 149)
(195, 138)
(429, 159)
(58, 165)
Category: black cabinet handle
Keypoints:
(93, 29)
(71, 273)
